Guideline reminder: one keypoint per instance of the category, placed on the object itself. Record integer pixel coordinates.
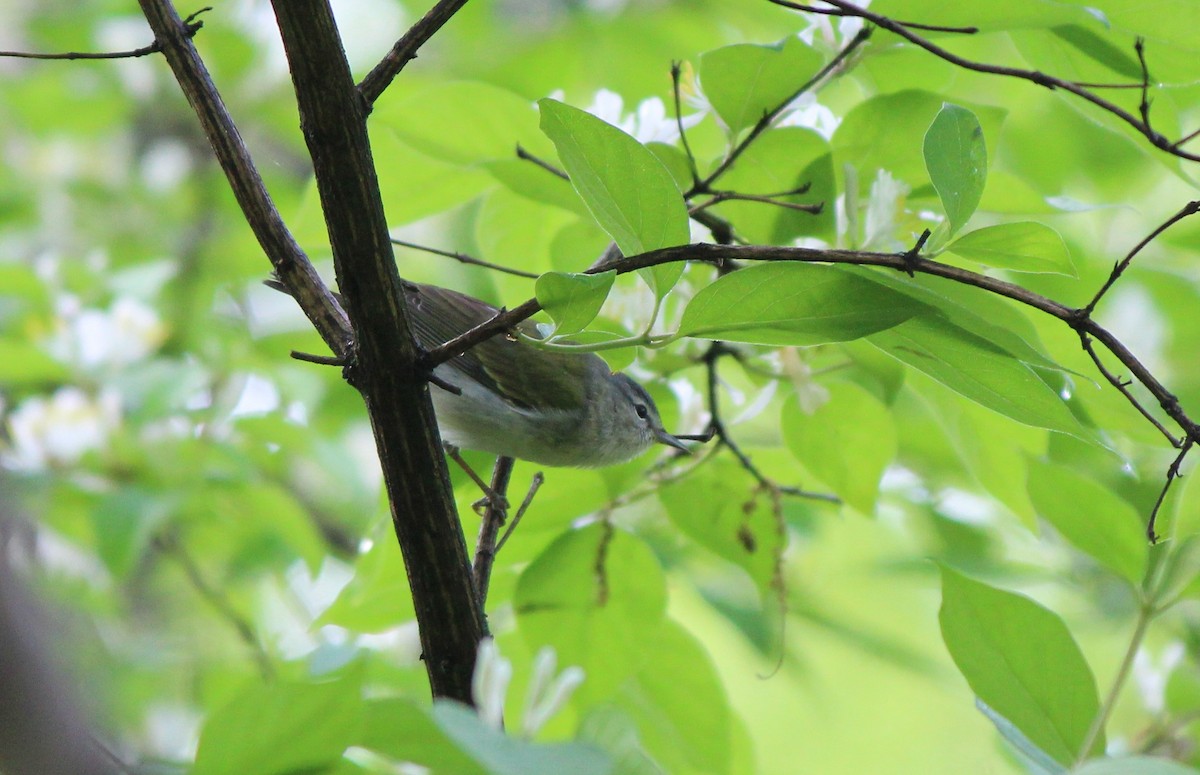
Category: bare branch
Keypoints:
(465, 259)
(405, 49)
(904, 30)
(173, 36)
(1191, 208)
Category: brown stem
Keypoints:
(384, 367)
(173, 36)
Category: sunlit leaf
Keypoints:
(795, 304)
(1021, 660)
(956, 158)
(744, 82)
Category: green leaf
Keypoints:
(1091, 517)
(956, 158)
(744, 82)
(404, 731)
(794, 304)
(783, 159)
(977, 369)
(985, 315)
(682, 711)
(1035, 759)
(847, 442)
(502, 754)
(1021, 660)
(627, 189)
(378, 597)
(447, 108)
(23, 363)
(1135, 765)
(573, 299)
(885, 132)
(598, 595)
(731, 522)
(1024, 246)
(281, 727)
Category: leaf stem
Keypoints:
(1146, 613)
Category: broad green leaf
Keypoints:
(732, 522)
(573, 299)
(1135, 765)
(378, 597)
(125, 521)
(534, 183)
(744, 82)
(887, 132)
(282, 727)
(1181, 568)
(503, 754)
(783, 159)
(956, 157)
(681, 709)
(1035, 759)
(403, 730)
(446, 110)
(24, 363)
(985, 315)
(979, 370)
(1022, 662)
(1024, 246)
(1091, 517)
(847, 442)
(598, 595)
(627, 189)
(611, 729)
(794, 304)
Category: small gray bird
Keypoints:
(545, 406)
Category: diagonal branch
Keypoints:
(173, 37)
(905, 30)
(405, 49)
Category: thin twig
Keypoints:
(465, 259)
(170, 545)
(726, 196)
(911, 25)
(1172, 475)
(1123, 386)
(525, 155)
(687, 149)
(1191, 208)
(493, 519)
(190, 22)
(405, 49)
(719, 430)
(769, 118)
(534, 485)
(1041, 79)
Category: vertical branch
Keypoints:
(384, 361)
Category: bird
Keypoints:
(546, 406)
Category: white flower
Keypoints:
(805, 111)
(93, 338)
(885, 203)
(648, 124)
(489, 684)
(1151, 678)
(59, 430)
(547, 692)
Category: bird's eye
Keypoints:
(641, 410)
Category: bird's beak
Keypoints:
(663, 437)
